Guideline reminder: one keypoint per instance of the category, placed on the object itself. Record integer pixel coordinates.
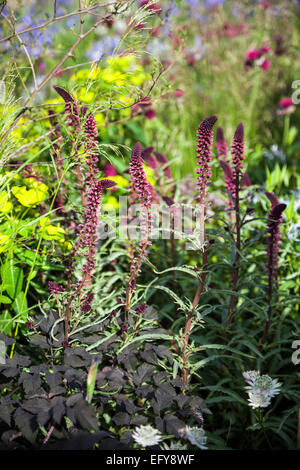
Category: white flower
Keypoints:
(258, 399)
(261, 388)
(250, 376)
(146, 436)
(195, 435)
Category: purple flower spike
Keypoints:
(140, 185)
(107, 183)
(273, 241)
(273, 199)
(71, 107)
(64, 94)
(204, 145)
(237, 149)
(222, 148)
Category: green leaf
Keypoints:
(6, 323)
(4, 299)
(12, 275)
(289, 211)
(20, 306)
(173, 295)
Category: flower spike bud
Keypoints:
(64, 94)
(273, 199)
(237, 148)
(107, 183)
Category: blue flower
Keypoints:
(104, 48)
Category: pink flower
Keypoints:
(286, 102)
(254, 54)
(286, 106)
(257, 57)
(155, 7)
(150, 113)
(109, 170)
(178, 93)
(266, 64)
(154, 31)
(265, 49)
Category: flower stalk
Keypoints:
(204, 146)
(272, 249)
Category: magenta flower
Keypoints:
(154, 7)
(257, 57)
(109, 170)
(286, 102)
(221, 144)
(254, 54)
(141, 309)
(204, 145)
(266, 64)
(286, 106)
(55, 288)
(150, 113)
(265, 49)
